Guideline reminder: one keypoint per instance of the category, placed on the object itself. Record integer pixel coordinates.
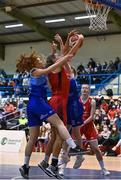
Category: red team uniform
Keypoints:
(60, 84)
(89, 130)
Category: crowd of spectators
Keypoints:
(96, 68)
(15, 84)
(10, 109)
(107, 120)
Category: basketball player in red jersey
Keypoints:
(89, 129)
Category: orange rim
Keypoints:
(95, 5)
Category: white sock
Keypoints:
(101, 164)
(26, 160)
(71, 143)
(46, 159)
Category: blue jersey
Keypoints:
(73, 88)
(118, 124)
(38, 86)
(38, 109)
(74, 106)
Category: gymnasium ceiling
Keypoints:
(33, 13)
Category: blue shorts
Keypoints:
(74, 112)
(38, 110)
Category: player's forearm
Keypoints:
(90, 118)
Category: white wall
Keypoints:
(101, 49)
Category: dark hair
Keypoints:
(49, 60)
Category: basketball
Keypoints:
(73, 39)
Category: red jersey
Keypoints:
(87, 108)
(89, 129)
(60, 85)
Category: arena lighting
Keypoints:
(54, 20)
(13, 25)
(84, 17)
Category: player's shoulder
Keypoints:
(92, 100)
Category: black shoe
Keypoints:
(24, 170)
(43, 165)
(77, 151)
(54, 171)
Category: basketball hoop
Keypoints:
(98, 14)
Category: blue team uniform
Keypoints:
(118, 124)
(38, 109)
(74, 106)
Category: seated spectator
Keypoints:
(113, 138)
(104, 135)
(91, 63)
(105, 119)
(99, 128)
(117, 145)
(104, 67)
(110, 142)
(80, 68)
(118, 125)
(9, 107)
(23, 121)
(97, 117)
(104, 105)
(111, 114)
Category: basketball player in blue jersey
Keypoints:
(38, 110)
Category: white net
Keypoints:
(98, 14)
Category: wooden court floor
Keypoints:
(10, 163)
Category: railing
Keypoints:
(97, 83)
(100, 82)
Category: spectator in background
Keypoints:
(105, 119)
(104, 105)
(113, 137)
(111, 141)
(21, 105)
(97, 117)
(104, 67)
(111, 67)
(116, 63)
(111, 114)
(92, 63)
(104, 135)
(80, 69)
(9, 108)
(23, 121)
(119, 65)
(99, 67)
(118, 125)
(118, 122)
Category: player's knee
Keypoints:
(33, 139)
(96, 149)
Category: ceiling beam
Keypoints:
(77, 13)
(2, 51)
(43, 3)
(34, 25)
(51, 28)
